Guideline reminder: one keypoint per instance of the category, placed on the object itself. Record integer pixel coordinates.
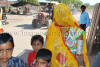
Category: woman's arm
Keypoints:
(79, 55)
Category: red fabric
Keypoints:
(31, 57)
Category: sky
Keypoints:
(12, 0)
(92, 2)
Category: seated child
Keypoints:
(6, 50)
(36, 43)
(43, 58)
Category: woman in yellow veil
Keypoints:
(62, 39)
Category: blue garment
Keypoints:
(96, 62)
(84, 19)
(15, 62)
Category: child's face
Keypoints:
(5, 52)
(42, 63)
(36, 45)
(82, 9)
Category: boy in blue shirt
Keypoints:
(6, 50)
(84, 18)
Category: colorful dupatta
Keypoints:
(62, 56)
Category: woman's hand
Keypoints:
(80, 60)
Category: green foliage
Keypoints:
(30, 1)
(87, 5)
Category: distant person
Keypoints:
(37, 42)
(1, 12)
(4, 17)
(6, 50)
(84, 18)
(1, 28)
(43, 58)
(49, 8)
(52, 13)
(96, 62)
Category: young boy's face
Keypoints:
(5, 52)
(82, 9)
(36, 45)
(42, 63)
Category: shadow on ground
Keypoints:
(26, 26)
(23, 55)
(29, 26)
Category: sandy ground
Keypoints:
(20, 27)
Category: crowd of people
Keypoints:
(65, 43)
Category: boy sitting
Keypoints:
(6, 50)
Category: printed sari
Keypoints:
(63, 54)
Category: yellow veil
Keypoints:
(61, 54)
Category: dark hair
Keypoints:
(37, 37)
(44, 54)
(83, 6)
(6, 37)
